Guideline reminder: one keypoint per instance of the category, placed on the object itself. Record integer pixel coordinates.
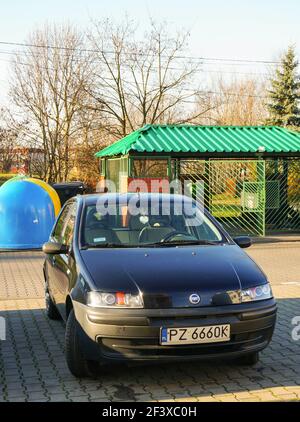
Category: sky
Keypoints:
(235, 29)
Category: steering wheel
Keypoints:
(175, 233)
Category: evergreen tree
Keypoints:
(285, 92)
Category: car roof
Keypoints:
(68, 184)
(92, 199)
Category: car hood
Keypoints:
(168, 276)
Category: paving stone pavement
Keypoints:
(33, 368)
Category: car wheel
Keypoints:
(51, 309)
(250, 359)
(77, 363)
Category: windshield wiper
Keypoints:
(150, 245)
(182, 242)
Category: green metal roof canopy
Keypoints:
(205, 139)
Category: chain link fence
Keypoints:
(283, 195)
(248, 196)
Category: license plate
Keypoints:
(192, 335)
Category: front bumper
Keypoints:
(118, 334)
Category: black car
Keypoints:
(67, 190)
(152, 277)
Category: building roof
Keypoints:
(205, 139)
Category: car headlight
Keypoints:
(251, 294)
(114, 300)
(257, 293)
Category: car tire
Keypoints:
(51, 309)
(250, 359)
(77, 363)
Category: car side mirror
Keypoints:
(243, 241)
(55, 248)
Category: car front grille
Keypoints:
(149, 348)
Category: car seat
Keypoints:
(97, 230)
(159, 227)
(136, 226)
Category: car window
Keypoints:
(60, 224)
(68, 231)
(64, 228)
(150, 225)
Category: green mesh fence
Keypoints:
(249, 196)
(283, 195)
(234, 192)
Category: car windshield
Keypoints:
(147, 223)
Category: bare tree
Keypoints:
(49, 83)
(7, 149)
(237, 102)
(9, 135)
(92, 137)
(141, 82)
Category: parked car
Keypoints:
(154, 281)
(67, 190)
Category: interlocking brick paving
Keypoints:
(33, 368)
(21, 275)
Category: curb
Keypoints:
(275, 240)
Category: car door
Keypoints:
(65, 266)
(51, 260)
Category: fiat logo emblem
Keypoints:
(195, 299)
